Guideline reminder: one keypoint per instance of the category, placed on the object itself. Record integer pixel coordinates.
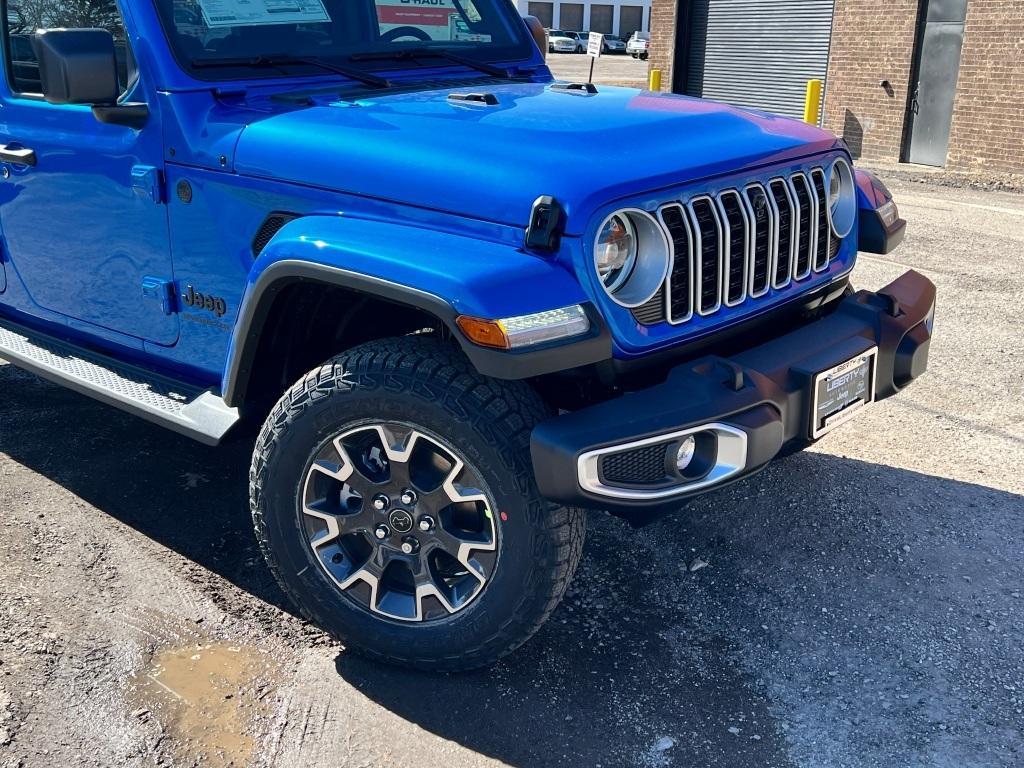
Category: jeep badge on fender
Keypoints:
(215, 304)
(452, 367)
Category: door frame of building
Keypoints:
(681, 46)
(915, 73)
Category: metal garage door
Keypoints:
(543, 11)
(758, 53)
(571, 16)
(631, 18)
(601, 18)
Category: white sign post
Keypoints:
(595, 44)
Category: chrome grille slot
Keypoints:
(806, 215)
(736, 227)
(707, 231)
(742, 244)
(764, 232)
(783, 199)
(680, 280)
(823, 250)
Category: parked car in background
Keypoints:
(614, 44)
(638, 45)
(560, 42)
(581, 40)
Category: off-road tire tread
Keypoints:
(502, 413)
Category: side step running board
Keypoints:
(201, 415)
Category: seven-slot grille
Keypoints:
(742, 243)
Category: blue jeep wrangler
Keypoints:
(344, 220)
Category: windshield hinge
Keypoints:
(147, 182)
(547, 220)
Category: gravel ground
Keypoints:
(858, 604)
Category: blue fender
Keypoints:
(441, 273)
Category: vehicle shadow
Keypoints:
(653, 659)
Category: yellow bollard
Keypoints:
(812, 104)
(654, 80)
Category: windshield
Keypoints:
(641, 35)
(237, 32)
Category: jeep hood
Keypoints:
(492, 162)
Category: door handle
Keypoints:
(17, 155)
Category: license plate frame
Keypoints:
(842, 392)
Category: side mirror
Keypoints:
(77, 66)
(540, 37)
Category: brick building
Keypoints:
(937, 82)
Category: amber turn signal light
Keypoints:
(486, 333)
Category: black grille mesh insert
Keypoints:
(762, 225)
(803, 199)
(681, 279)
(707, 228)
(653, 311)
(270, 227)
(736, 287)
(821, 251)
(641, 466)
(783, 268)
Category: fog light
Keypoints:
(685, 453)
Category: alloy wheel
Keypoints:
(400, 522)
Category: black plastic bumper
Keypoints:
(765, 392)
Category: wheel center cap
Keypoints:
(401, 521)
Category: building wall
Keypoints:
(988, 116)
(872, 44)
(868, 47)
(663, 36)
(616, 5)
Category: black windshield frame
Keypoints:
(363, 35)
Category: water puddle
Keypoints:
(208, 698)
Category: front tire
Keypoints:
(393, 498)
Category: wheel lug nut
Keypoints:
(426, 523)
(381, 502)
(410, 546)
(408, 497)
(381, 532)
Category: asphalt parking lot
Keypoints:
(617, 69)
(858, 604)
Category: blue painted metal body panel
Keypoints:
(402, 185)
(493, 162)
(79, 235)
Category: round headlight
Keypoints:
(835, 187)
(615, 255)
(631, 255)
(842, 198)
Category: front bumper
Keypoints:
(745, 409)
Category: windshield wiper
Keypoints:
(283, 61)
(437, 53)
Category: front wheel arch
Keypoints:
(256, 319)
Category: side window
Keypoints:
(23, 17)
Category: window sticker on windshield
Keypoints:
(254, 13)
